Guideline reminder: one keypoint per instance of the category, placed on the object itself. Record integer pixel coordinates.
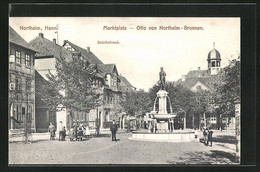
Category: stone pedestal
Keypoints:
(162, 95)
(162, 126)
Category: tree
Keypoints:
(135, 102)
(229, 89)
(72, 85)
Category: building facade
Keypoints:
(107, 82)
(21, 83)
(203, 83)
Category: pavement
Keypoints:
(101, 150)
(34, 137)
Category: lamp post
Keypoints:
(204, 116)
(28, 86)
(237, 117)
(97, 123)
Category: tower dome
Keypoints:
(214, 54)
(214, 61)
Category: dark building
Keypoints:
(21, 83)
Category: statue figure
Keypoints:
(162, 75)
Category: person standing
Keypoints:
(210, 137)
(61, 131)
(205, 135)
(113, 129)
(52, 131)
(87, 133)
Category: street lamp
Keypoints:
(28, 89)
(237, 117)
(204, 115)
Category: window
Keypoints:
(28, 84)
(115, 82)
(27, 60)
(213, 64)
(198, 87)
(213, 119)
(18, 84)
(112, 82)
(52, 117)
(17, 112)
(18, 57)
(211, 100)
(218, 64)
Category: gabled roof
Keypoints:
(123, 79)
(192, 78)
(47, 48)
(87, 55)
(15, 38)
(198, 73)
(107, 68)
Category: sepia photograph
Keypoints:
(124, 90)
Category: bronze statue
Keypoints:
(162, 75)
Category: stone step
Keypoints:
(16, 132)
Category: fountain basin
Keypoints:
(163, 116)
(175, 136)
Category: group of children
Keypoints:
(75, 131)
(78, 132)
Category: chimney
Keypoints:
(183, 78)
(41, 35)
(88, 49)
(54, 40)
(198, 68)
(65, 41)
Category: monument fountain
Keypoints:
(162, 118)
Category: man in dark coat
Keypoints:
(205, 135)
(113, 129)
(210, 137)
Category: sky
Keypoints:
(140, 53)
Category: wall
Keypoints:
(19, 98)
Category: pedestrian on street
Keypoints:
(205, 136)
(113, 129)
(87, 133)
(61, 131)
(171, 125)
(52, 131)
(210, 137)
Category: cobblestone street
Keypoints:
(101, 150)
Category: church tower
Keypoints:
(214, 61)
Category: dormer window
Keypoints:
(198, 87)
